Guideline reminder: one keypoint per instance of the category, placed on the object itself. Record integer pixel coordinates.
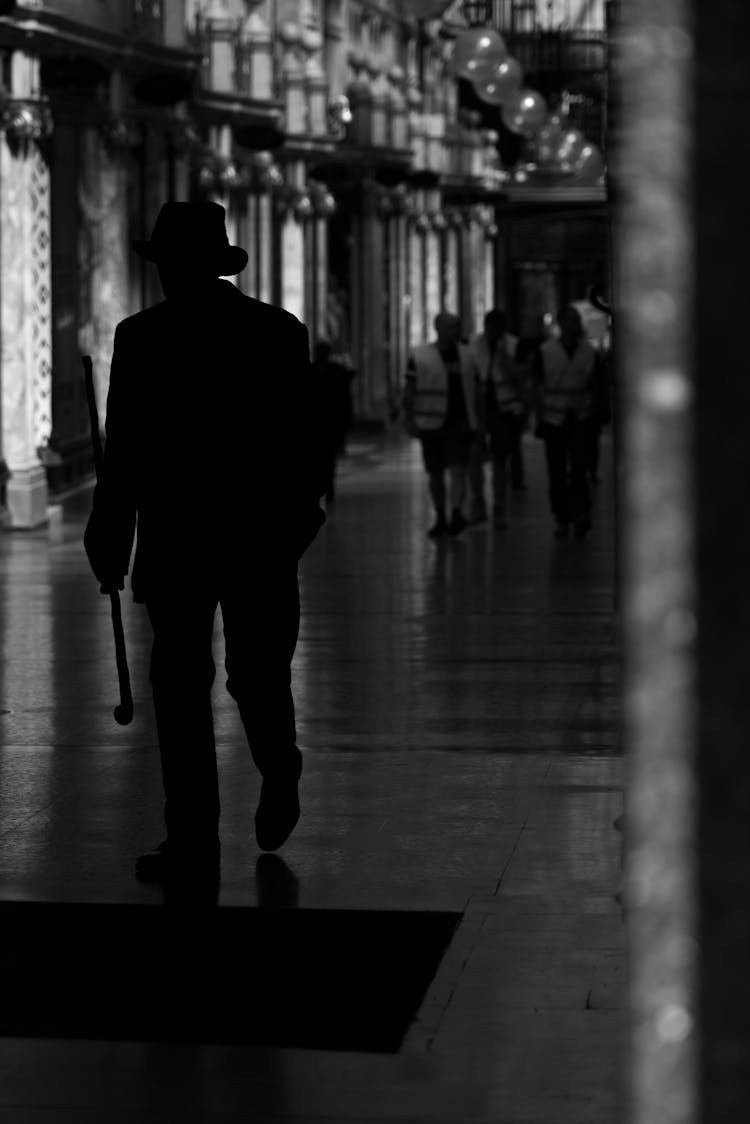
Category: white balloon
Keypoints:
(476, 52)
(503, 82)
(525, 113)
(589, 167)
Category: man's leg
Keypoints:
(517, 468)
(261, 625)
(555, 447)
(182, 673)
(502, 438)
(458, 487)
(433, 454)
(478, 504)
(457, 456)
(580, 439)
(436, 481)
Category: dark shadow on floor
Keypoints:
(310, 979)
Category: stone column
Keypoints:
(417, 319)
(265, 216)
(293, 79)
(293, 266)
(360, 99)
(293, 241)
(257, 51)
(265, 176)
(316, 82)
(321, 276)
(380, 105)
(433, 285)
(222, 35)
(451, 267)
(102, 196)
(25, 296)
(370, 309)
(402, 290)
(399, 125)
(489, 271)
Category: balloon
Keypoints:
(589, 167)
(503, 82)
(476, 53)
(569, 148)
(547, 140)
(525, 112)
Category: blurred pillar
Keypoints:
(683, 245)
(718, 334)
(654, 247)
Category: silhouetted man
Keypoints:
(199, 387)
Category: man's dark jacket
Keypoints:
(211, 444)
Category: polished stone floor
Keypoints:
(458, 715)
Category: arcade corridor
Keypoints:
(457, 708)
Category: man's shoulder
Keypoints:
(270, 314)
(143, 320)
(243, 307)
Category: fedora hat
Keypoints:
(192, 232)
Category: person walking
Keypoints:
(503, 410)
(332, 381)
(441, 407)
(212, 373)
(565, 377)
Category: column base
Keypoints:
(26, 499)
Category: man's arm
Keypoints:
(109, 534)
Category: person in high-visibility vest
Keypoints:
(565, 378)
(441, 407)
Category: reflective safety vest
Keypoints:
(567, 386)
(430, 401)
(504, 373)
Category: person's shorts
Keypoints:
(445, 448)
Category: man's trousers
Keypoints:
(261, 623)
(567, 449)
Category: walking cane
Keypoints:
(124, 712)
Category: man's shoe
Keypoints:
(438, 528)
(582, 526)
(168, 863)
(457, 523)
(278, 811)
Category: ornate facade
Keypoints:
(331, 132)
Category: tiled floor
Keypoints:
(458, 714)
